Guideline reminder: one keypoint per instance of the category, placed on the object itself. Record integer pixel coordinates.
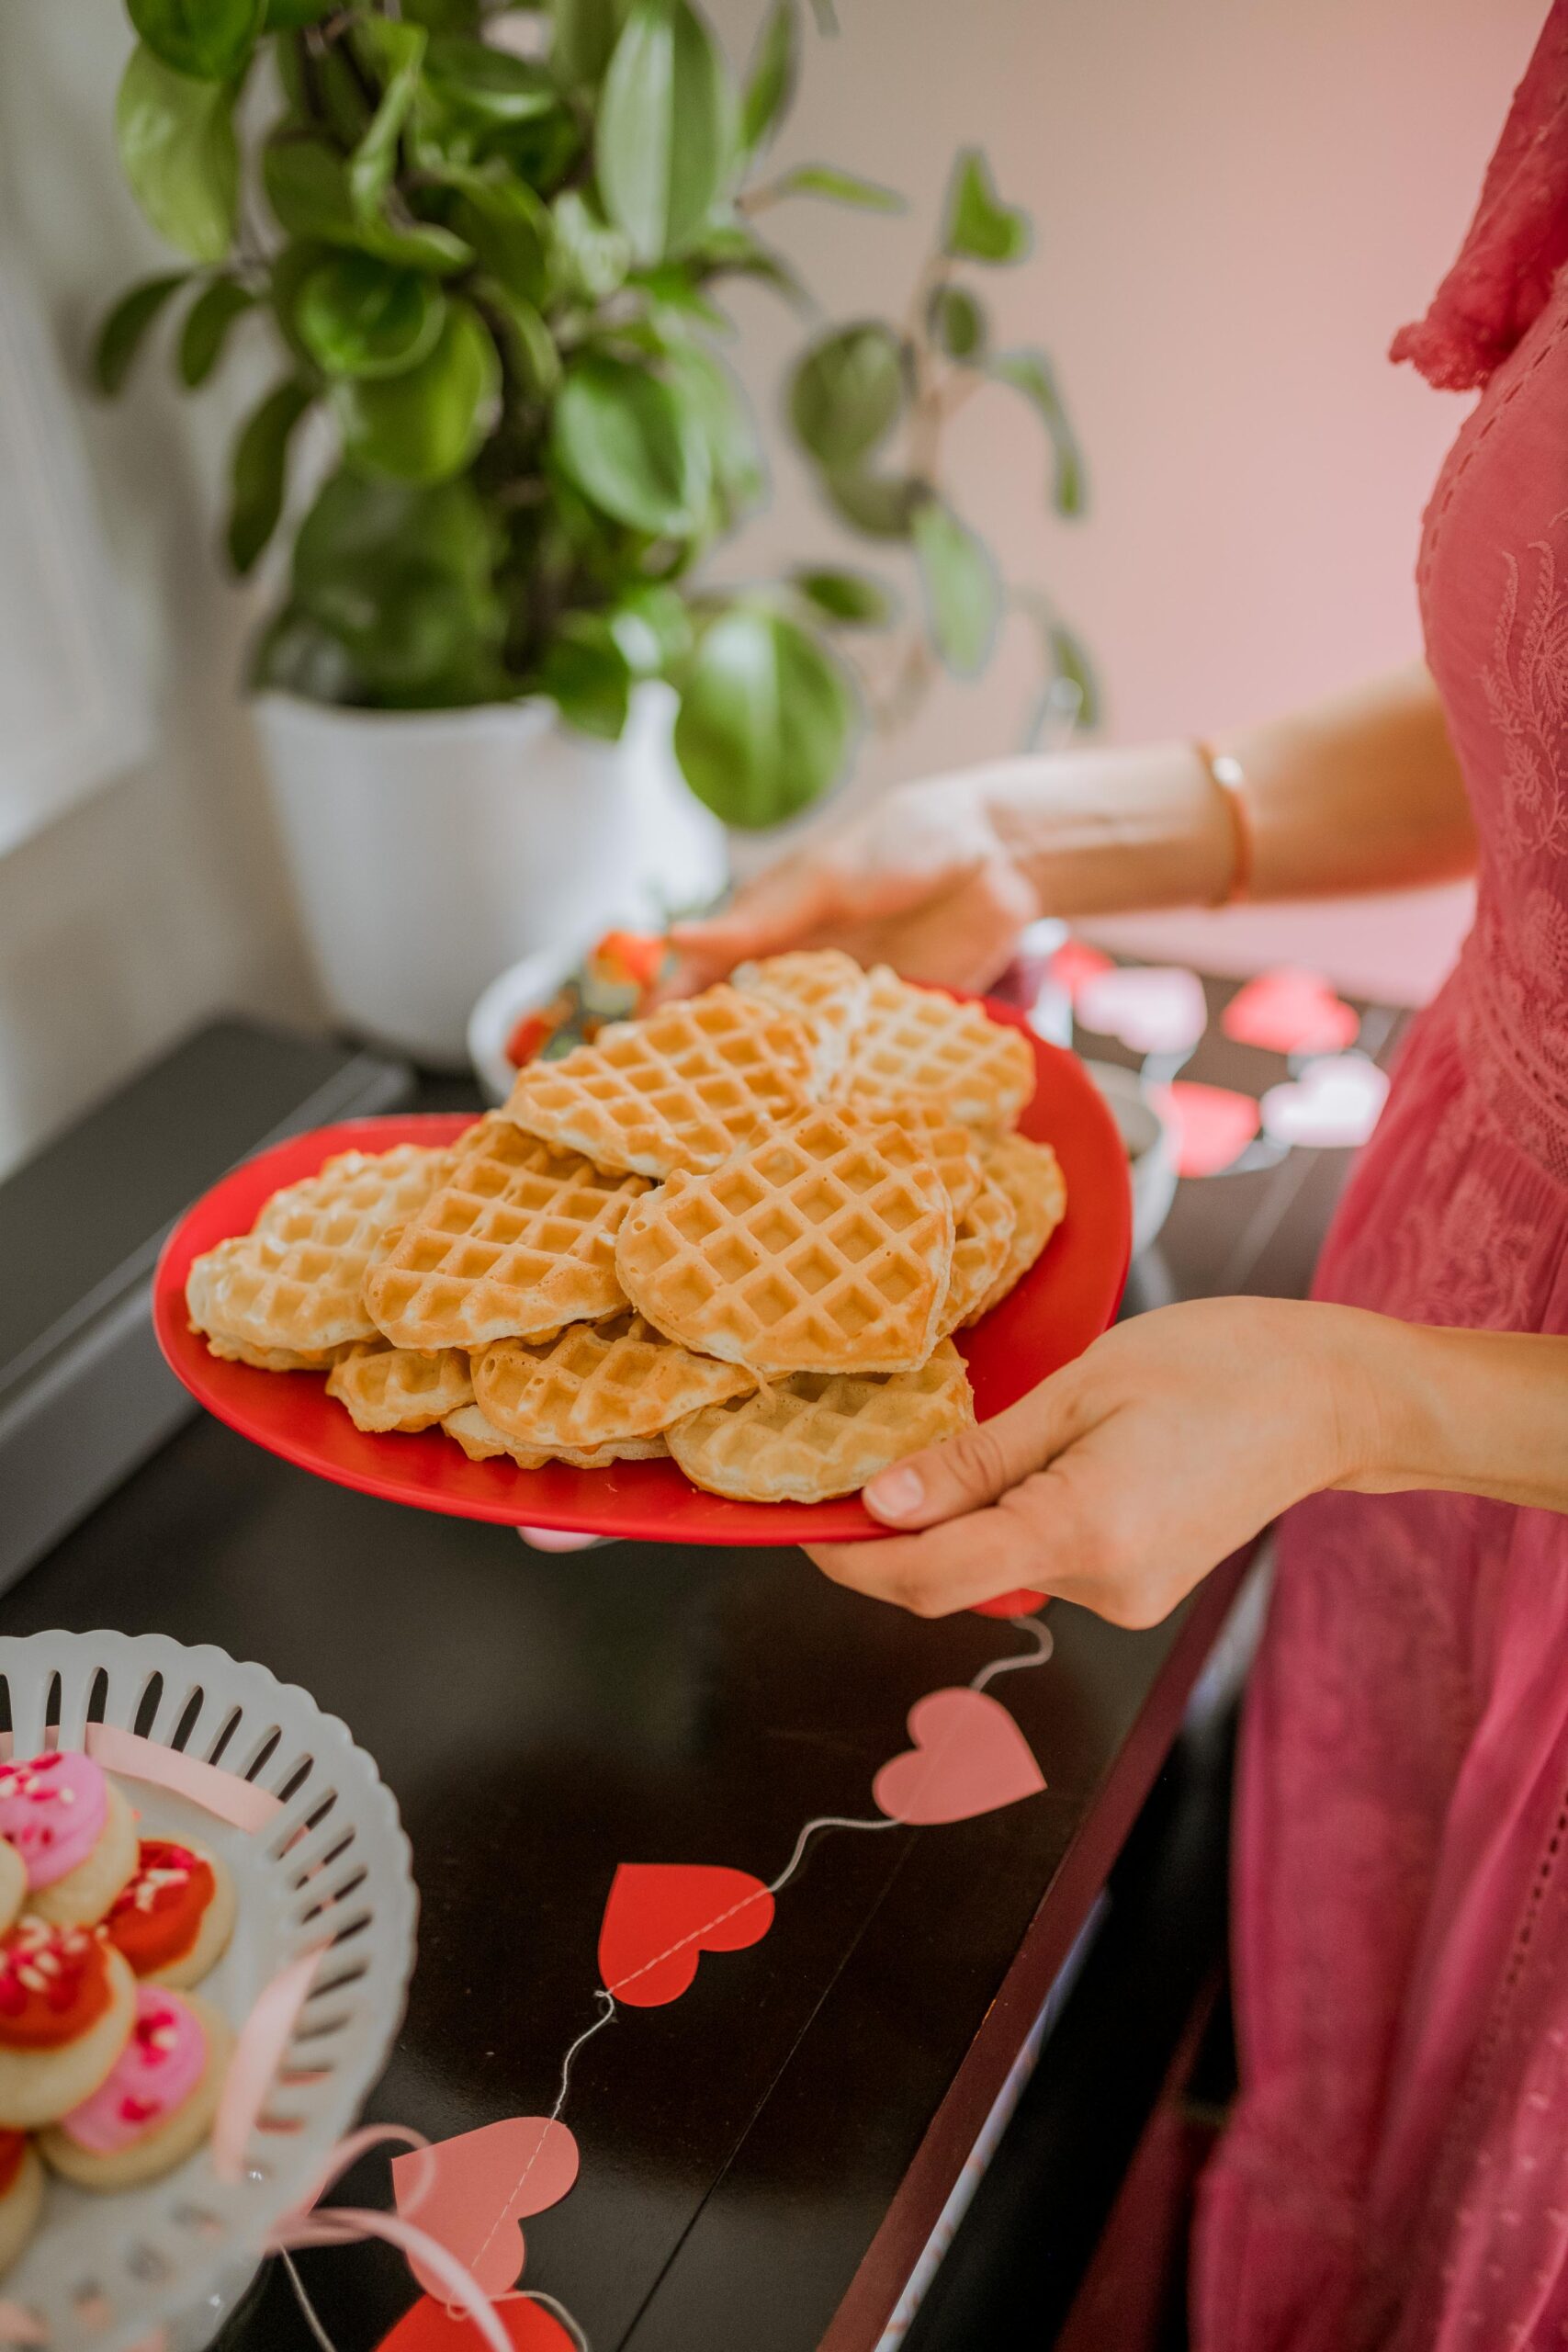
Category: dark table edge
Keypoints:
(888, 2262)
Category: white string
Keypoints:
(606, 2017)
(1044, 1645)
(306, 2305)
(537, 2295)
(825, 1821)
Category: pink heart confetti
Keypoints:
(969, 1758)
(1288, 1011)
(470, 2193)
(1213, 1124)
(1151, 1008)
(1334, 1102)
(1076, 963)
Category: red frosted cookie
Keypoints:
(21, 2194)
(72, 1831)
(175, 1919)
(157, 2102)
(67, 2003)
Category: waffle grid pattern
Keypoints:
(822, 986)
(914, 1041)
(1030, 1175)
(393, 1389)
(482, 1442)
(599, 1383)
(819, 1434)
(979, 1254)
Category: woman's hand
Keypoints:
(1121, 1480)
(921, 881)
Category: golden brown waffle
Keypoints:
(270, 1359)
(917, 1042)
(684, 1088)
(822, 986)
(599, 1383)
(814, 1251)
(480, 1439)
(296, 1281)
(1030, 1176)
(950, 1149)
(979, 1255)
(520, 1241)
(819, 1434)
(393, 1389)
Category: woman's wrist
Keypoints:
(1112, 832)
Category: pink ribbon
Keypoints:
(224, 1794)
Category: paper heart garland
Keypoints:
(429, 2326)
(1334, 1102)
(1213, 1126)
(470, 2193)
(1076, 963)
(1287, 1010)
(661, 1918)
(1152, 1008)
(969, 1758)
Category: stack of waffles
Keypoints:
(742, 1232)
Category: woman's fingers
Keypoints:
(778, 910)
(976, 1466)
(947, 1567)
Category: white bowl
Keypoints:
(170, 2260)
(1151, 1147)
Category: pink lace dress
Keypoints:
(1396, 2174)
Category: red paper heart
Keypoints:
(429, 2326)
(1288, 1011)
(969, 1758)
(470, 2193)
(1213, 1126)
(663, 1916)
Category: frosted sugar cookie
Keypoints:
(74, 1832)
(174, 1919)
(157, 2102)
(67, 2000)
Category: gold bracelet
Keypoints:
(1229, 781)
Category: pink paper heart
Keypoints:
(1152, 1008)
(969, 1758)
(1213, 1126)
(1074, 963)
(1335, 1103)
(1288, 1011)
(470, 2193)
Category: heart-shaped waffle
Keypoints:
(818, 1434)
(1030, 1176)
(684, 1088)
(917, 1042)
(295, 1284)
(814, 1251)
(481, 1440)
(393, 1389)
(949, 1147)
(520, 1241)
(979, 1255)
(822, 986)
(598, 1382)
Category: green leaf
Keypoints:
(847, 393)
(509, 227)
(120, 336)
(426, 422)
(443, 16)
(964, 595)
(586, 32)
(307, 187)
(852, 598)
(596, 256)
(652, 626)
(396, 51)
(770, 85)
(1029, 372)
(719, 406)
(260, 471)
(283, 16)
(882, 505)
(177, 148)
(663, 142)
(839, 187)
(490, 85)
(670, 288)
(586, 672)
(357, 316)
(979, 226)
(525, 341)
(211, 40)
(207, 326)
(765, 716)
(631, 447)
(956, 322)
(728, 250)
(1073, 663)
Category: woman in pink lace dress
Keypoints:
(1396, 2176)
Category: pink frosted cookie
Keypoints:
(67, 2002)
(175, 1919)
(157, 2102)
(73, 1832)
(21, 2194)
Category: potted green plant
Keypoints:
(499, 706)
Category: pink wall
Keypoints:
(1237, 201)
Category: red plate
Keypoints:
(1068, 1300)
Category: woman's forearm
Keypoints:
(1472, 1412)
(1361, 792)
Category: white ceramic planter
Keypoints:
(429, 849)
